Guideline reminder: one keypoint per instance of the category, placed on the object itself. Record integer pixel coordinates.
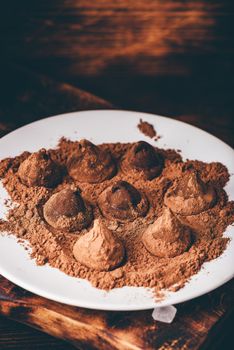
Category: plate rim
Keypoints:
(171, 119)
(65, 300)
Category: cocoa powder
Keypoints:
(147, 129)
(139, 268)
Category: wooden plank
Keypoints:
(119, 330)
(149, 37)
(17, 336)
(173, 58)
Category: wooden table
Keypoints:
(172, 58)
(169, 57)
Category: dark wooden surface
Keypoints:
(18, 336)
(201, 323)
(168, 57)
(171, 57)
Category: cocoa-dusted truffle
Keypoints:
(123, 202)
(91, 164)
(39, 170)
(99, 249)
(67, 211)
(167, 237)
(142, 160)
(189, 195)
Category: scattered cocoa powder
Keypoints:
(147, 129)
(139, 268)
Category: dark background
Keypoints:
(168, 57)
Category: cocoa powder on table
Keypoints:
(139, 267)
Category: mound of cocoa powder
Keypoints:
(140, 268)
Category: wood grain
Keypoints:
(173, 58)
(119, 330)
(149, 37)
(17, 336)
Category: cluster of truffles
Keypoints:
(68, 211)
(168, 236)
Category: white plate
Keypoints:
(111, 126)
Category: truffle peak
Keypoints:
(189, 195)
(143, 155)
(99, 249)
(39, 170)
(67, 203)
(167, 226)
(89, 150)
(90, 163)
(67, 211)
(142, 158)
(193, 185)
(123, 196)
(167, 236)
(123, 202)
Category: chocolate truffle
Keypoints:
(91, 164)
(99, 249)
(189, 195)
(167, 237)
(123, 202)
(39, 170)
(67, 211)
(142, 160)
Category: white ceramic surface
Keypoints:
(111, 126)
